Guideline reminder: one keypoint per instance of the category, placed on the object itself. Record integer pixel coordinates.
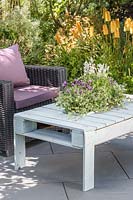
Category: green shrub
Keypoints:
(19, 28)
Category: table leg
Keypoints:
(19, 151)
(21, 126)
(88, 166)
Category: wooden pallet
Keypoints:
(85, 132)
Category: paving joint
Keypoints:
(120, 164)
(65, 190)
(51, 147)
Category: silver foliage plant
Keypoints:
(91, 67)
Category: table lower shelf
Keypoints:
(51, 136)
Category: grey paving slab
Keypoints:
(2, 159)
(65, 165)
(60, 168)
(63, 149)
(26, 184)
(37, 147)
(106, 167)
(126, 160)
(104, 190)
(50, 191)
(123, 143)
(68, 167)
(103, 147)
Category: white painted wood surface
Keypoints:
(21, 126)
(50, 136)
(88, 163)
(19, 149)
(86, 132)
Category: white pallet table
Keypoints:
(86, 132)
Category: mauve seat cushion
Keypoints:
(32, 94)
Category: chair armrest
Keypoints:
(6, 116)
(6, 99)
(46, 76)
(6, 95)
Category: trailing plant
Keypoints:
(91, 92)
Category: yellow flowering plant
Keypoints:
(73, 45)
(80, 39)
(117, 48)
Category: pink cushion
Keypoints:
(32, 94)
(12, 67)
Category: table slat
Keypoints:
(64, 117)
(52, 121)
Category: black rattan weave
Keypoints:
(39, 75)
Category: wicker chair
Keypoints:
(38, 75)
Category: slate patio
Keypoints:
(54, 172)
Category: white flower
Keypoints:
(86, 64)
(89, 68)
(102, 68)
(86, 67)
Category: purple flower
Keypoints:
(90, 81)
(73, 84)
(81, 92)
(64, 84)
(75, 81)
(83, 84)
(79, 83)
(76, 91)
(89, 87)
